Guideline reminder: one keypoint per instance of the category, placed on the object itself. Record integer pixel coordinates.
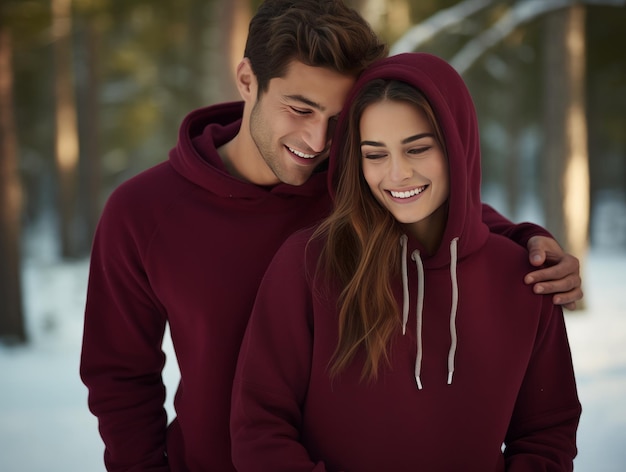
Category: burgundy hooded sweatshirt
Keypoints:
(185, 243)
(477, 360)
(182, 243)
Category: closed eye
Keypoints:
(372, 150)
(373, 155)
(300, 111)
(419, 150)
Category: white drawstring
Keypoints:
(419, 315)
(415, 255)
(455, 302)
(405, 285)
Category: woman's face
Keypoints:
(405, 167)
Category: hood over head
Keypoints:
(465, 233)
(454, 109)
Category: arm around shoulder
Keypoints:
(560, 274)
(518, 232)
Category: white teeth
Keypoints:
(408, 193)
(301, 154)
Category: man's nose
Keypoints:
(317, 136)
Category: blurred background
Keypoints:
(93, 91)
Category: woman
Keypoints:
(399, 334)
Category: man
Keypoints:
(187, 241)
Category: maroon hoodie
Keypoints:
(478, 361)
(183, 243)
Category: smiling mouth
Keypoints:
(408, 193)
(302, 154)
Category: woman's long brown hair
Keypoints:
(361, 249)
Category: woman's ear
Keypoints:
(246, 80)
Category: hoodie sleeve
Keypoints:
(273, 371)
(520, 233)
(542, 432)
(121, 359)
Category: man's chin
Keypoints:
(295, 179)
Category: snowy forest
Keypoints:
(93, 91)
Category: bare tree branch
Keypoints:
(522, 12)
(441, 20)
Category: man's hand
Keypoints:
(561, 275)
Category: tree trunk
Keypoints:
(235, 16)
(11, 312)
(66, 131)
(197, 58)
(388, 18)
(91, 175)
(373, 11)
(513, 163)
(566, 159)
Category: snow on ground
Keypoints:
(598, 342)
(45, 424)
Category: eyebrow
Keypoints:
(305, 101)
(404, 141)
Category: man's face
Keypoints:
(292, 122)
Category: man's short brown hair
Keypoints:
(318, 33)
